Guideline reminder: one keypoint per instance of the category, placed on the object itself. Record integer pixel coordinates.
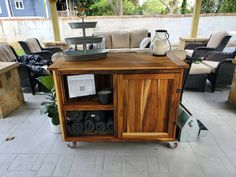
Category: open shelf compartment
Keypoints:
(89, 103)
(83, 124)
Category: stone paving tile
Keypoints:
(36, 151)
(133, 173)
(48, 166)
(24, 162)
(216, 165)
(5, 161)
(85, 174)
(20, 174)
(184, 164)
(155, 174)
(88, 162)
(64, 165)
(111, 174)
(39, 162)
(134, 163)
(113, 163)
(157, 164)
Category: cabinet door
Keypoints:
(147, 105)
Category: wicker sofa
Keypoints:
(125, 41)
(27, 77)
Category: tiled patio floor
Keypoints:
(36, 151)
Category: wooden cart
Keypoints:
(146, 95)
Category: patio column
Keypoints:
(195, 19)
(54, 17)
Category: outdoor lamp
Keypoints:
(161, 43)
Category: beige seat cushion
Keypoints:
(6, 54)
(33, 45)
(212, 64)
(216, 39)
(120, 39)
(189, 52)
(136, 37)
(107, 36)
(199, 69)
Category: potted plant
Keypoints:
(50, 107)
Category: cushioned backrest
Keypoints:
(216, 39)
(33, 45)
(6, 54)
(136, 36)
(120, 39)
(107, 36)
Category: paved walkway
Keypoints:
(36, 151)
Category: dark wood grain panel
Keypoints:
(147, 101)
(163, 98)
(115, 104)
(60, 99)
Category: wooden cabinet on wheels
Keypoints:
(146, 95)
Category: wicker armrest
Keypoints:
(44, 54)
(201, 52)
(193, 46)
(224, 71)
(219, 56)
(52, 49)
(226, 61)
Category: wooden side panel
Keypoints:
(59, 85)
(147, 104)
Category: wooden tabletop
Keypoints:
(6, 66)
(122, 62)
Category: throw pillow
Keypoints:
(120, 39)
(216, 39)
(145, 43)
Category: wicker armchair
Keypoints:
(27, 78)
(216, 42)
(222, 68)
(32, 46)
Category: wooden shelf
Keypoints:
(85, 104)
(92, 137)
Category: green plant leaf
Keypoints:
(47, 81)
(55, 119)
(49, 107)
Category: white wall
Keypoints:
(177, 26)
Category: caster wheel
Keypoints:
(172, 145)
(71, 145)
